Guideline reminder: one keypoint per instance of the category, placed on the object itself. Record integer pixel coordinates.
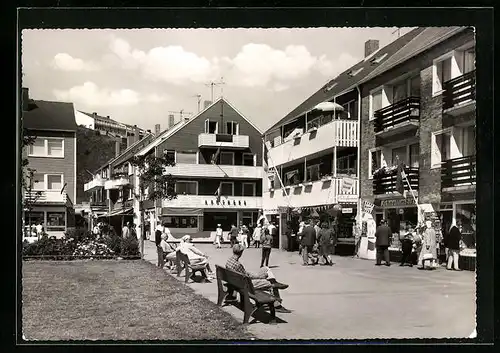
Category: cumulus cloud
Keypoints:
(65, 62)
(333, 68)
(90, 94)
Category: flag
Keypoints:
(218, 192)
(400, 176)
(215, 156)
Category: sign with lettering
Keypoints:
(347, 210)
(398, 202)
(347, 184)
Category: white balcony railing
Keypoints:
(116, 183)
(321, 192)
(216, 171)
(94, 183)
(47, 196)
(340, 133)
(207, 201)
(223, 140)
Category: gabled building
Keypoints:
(53, 157)
(418, 111)
(218, 172)
(312, 154)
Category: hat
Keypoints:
(186, 237)
(218, 225)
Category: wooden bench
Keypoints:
(235, 281)
(182, 262)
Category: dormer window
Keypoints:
(329, 86)
(353, 73)
(378, 59)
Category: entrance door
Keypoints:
(225, 219)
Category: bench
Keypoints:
(235, 281)
(182, 262)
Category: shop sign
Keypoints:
(347, 210)
(397, 202)
(347, 198)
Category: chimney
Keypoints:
(371, 46)
(157, 129)
(136, 134)
(25, 99)
(206, 104)
(94, 115)
(171, 120)
(117, 148)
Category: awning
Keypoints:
(121, 212)
(176, 211)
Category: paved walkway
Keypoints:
(355, 299)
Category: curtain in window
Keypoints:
(414, 155)
(399, 156)
(399, 92)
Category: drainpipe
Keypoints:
(358, 160)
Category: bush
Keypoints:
(50, 248)
(93, 248)
(130, 247)
(113, 242)
(79, 234)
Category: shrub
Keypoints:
(113, 242)
(79, 234)
(130, 247)
(50, 248)
(92, 248)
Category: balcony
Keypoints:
(97, 182)
(116, 183)
(459, 174)
(209, 201)
(399, 117)
(459, 94)
(340, 133)
(384, 182)
(223, 141)
(216, 171)
(47, 197)
(326, 191)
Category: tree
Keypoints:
(30, 196)
(152, 176)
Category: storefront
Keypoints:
(54, 219)
(464, 214)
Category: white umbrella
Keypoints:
(328, 106)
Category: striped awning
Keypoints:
(120, 212)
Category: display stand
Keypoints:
(366, 248)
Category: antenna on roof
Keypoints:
(212, 84)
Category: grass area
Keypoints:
(117, 300)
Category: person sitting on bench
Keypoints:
(263, 280)
(168, 251)
(196, 257)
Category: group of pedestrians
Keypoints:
(316, 241)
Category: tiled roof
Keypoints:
(55, 116)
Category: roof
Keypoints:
(393, 54)
(54, 116)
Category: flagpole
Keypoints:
(411, 191)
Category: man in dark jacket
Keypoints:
(453, 245)
(383, 236)
(308, 240)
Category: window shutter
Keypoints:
(435, 151)
(207, 123)
(437, 76)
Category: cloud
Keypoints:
(90, 94)
(280, 87)
(332, 68)
(155, 98)
(65, 62)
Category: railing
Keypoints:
(216, 171)
(405, 110)
(210, 201)
(385, 183)
(459, 90)
(46, 196)
(116, 183)
(223, 140)
(458, 172)
(94, 183)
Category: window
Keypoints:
(414, 155)
(355, 72)
(56, 221)
(186, 187)
(249, 218)
(47, 147)
(469, 60)
(292, 177)
(346, 165)
(210, 127)
(313, 123)
(170, 154)
(130, 169)
(181, 221)
(248, 189)
(130, 194)
(375, 161)
(185, 157)
(399, 156)
(377, 60)
(232, 128)
(248, 159)
(442, 73)
(313, 172)
(226, 158)
(415, 86)
(375, 102)
(54, 182)
(350, 110)
(399, 91)
(440, 147)
(38, 182)
(226, 189)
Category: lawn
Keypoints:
(117, 300)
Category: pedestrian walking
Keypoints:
(383, 235)
(300, 233)
(308, 240)
(267, 243)
(244, 236)
(327, 240)
(233, 235)
(429, 247)
(406, 246)
(218, 236)
(158, 234)
(126, 230)
(453, 245)
(257, 233)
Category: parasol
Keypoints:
(328, 107)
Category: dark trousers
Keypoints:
(256, 243)
(161, 262)
(233, 241)
(383, 250)
(406, 248)
(265, 256)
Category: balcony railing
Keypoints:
(94, 183)
(458, 172)
(459, 90)
(216, 171)
(223, 140)
(116, 183)
(46, 196)
(210, 201)
(384, 182)
(397, 114)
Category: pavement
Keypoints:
(354, 299)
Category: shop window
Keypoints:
(248, 159)
(227, 158)
(440, 147)
(249, 218)
(248, 189)
(56, 221)
(31, 219)
(186, 187)
(465, 216)
(181, 221)
(184, 157)
(227, 189)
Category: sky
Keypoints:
(140, 76)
